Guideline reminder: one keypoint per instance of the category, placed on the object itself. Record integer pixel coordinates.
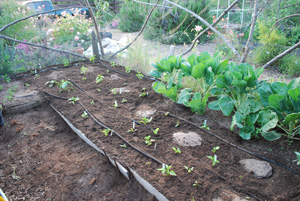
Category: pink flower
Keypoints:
(198, 28)
(71, 29)
(214, 17)
(43, 6)
(241, 34)
(223, 19)
(76, 38)
(51, 39)
(214, 20)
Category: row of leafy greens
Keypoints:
(257, 108)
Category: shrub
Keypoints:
(132, 16)
(176, 26)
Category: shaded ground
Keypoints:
(53, 163)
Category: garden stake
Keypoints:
(106, 155)
(116, 165)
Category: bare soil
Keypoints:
(51, 163)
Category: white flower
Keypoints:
(90, 31)
(198, 28)
(76, 38)
(51, 39)
(78, 33)
(82, 41)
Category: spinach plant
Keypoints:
(99, 78)
(107, 131)
(145, 120)
(176, 150)
(214, 159)
(148, 140)
(189, 169)
(73, 100)
(166, 170)
(155, 131)
(83, 70)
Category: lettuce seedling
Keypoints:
(92, 102)
(215, 149)
(145, 120)
(196, 183)
(127, 69)
(114, 91)
(214, 159)
(99, 78)
(139, 75)
(124, 100)
(176, 150)
(73, 100)
(85, 115)
(107, 131)
(205, 126)
(99, 90)
(143, 94)
(84, 78)
(189, 169)
(92, 59)
(123, 146)
(148, 140)
(131, 130)
(155, 131)
(113, 64)
(166, 170)
(83, 70)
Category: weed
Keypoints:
(73, 100)
(124, 100)
(176, 150)
(113, 64)
(123, 146)
(145, 120)
(215, 149)
(127, 69)
(178, 123)
(6, 78)
(66, 62)
(166, 170)
(189, 169)
(83, 70)
(99, 78)
(10, 93)
(205, 126)
(85, 115)
(155, 131)
(214, 159)
(107, 131)
(148, 140)
(139, 75)
(92, 59)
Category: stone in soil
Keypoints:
(228, 195)
(190, 139)
(261, 169)
(144, 111)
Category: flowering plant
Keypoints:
(70, 29)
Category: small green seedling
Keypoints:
(99, 90)
(148, 140)
(215, 149)
(107, 71)
(196, 183)
(37, 75)
(193, 198)
(51, 83)
(214, 159)
(148, 163)
(11, 93)
(92, 102)
(127, 69)
(107, 131)
(298, 158)
(6, 78)
(66, 62)
(63, 85)
(85, 115)
(155, 131)
(189, 169)
(143, 94)
(178, 123)
(124, 100)
(166, 170)
(27, 85)
(123, 146)
(145, 120)
(144, 89)
(114, 91)
(83, 70)
(24, 134)
(205, 126)
(176, 150)
(115, 105)
(113, 64)
(73, 100)
(99, 78)
(92, 58)
(139, 75)
(131, 130)
(84, 78)
(167, 113)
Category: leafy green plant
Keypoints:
(84, 78)
(1, 87)
(205, 126)
(63, 85)
(85, 115)
(155, 131)
(99, 78)
(298, 158)
(73, 100)
(113, 64)
(176, 150)
(124, 100)
(127, 69)
(145, 120)
(92, 59)
(92, 102)
(6, 78)
(139, 75)
(99, 90)
(83, 70)
(114, 91)
(148, 140)
(213, 159)
(10, 94)
(107, 131)
(123, 146)
(189, 169)
(27, 85)
(66, 62)
(166, 170)
(143, 94)
(215, 149)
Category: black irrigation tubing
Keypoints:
(57, 97)
(141, 124)
(119, 136)
(233, 145)
(81, 89)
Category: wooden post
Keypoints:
(172, 50)
(95, 46)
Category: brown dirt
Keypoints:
(53, 163)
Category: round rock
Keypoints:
(261, 169)
(190, 139)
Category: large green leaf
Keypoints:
(246, 132)
(221, 82)
(209, 76)
(196, 106)
(198, 70)
(264, 92)
(226, 105)
(271, 136)
(155, 73)
(158, 66)
(279, 88)
(184, 96)
(192, 59)
(237, 119)
(294, 83)
(267, 120)
(203, 56)
(185, 67)
(222, 67)
(158, 86)
(214, 105)
(291, 117)
(294, 94)
(275, 100)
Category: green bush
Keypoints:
(132, 16)
(8, 58)
(177, 26)
(11, 11)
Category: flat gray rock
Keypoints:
(144, 111)
(190, 139)
(261, 169)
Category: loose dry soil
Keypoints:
(42, 159)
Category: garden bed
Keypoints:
(226, 180)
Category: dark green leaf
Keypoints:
(184, 96)
(226, 105)
(155, 73)
(271, 136)
(214, 105)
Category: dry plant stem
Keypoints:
(96, 27)
(25, 18)
(141, 31)
(205, 30)
(282, 55)
(150, 4)
(207, 24)
(294, 15)
(246, 49)
(45, 47)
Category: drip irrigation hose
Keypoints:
(119, 136)
(233, 145)
(141, 124)
(54, 96)
(81, 89)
